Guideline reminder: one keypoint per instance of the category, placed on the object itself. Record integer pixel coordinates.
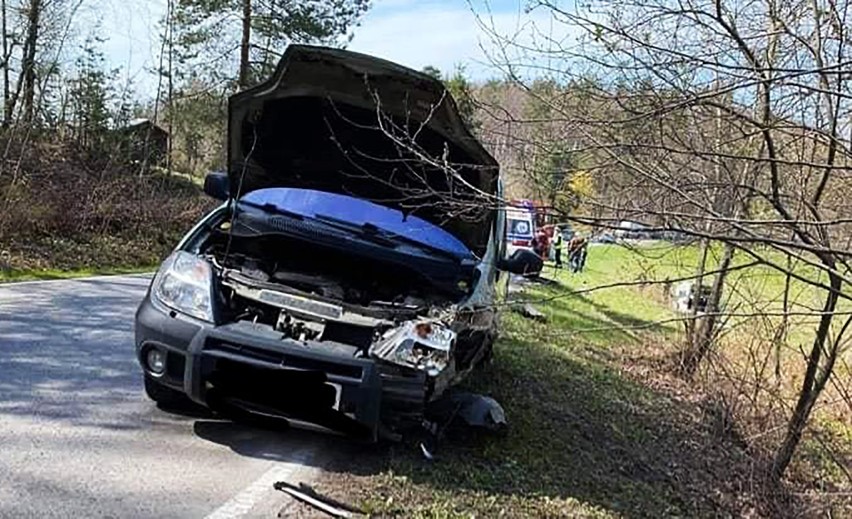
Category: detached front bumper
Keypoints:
(251, 368)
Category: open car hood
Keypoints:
(342, 122)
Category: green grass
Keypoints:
(82, 255)
(591, 435)
(11, 276)
(584, 440)
(749, 290)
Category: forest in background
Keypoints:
(81, 187)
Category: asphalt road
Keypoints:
(78, 438)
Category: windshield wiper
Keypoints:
(272, 208)
(372, 231)
(340, 225)
(357, 230)
(278, 211)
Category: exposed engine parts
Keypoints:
(299, 330)
(327, 274)
(396, 320)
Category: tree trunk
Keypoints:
(7, 116)
(28, 64)
(13, 98)
(245, 44)
(691, 324)
(171, 88)
(706, 328)
(812, 385)
(780, 338)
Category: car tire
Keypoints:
(164, 395)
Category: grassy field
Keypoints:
(597, 427)
(758, 288)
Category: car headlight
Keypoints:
(424, 345)
(184, 283)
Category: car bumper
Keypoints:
(253, 369)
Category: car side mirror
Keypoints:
(522, 262)
(216, 185)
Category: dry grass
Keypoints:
(63, 210)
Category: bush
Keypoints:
(62, 209)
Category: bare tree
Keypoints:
(725, 120)
(6, 55)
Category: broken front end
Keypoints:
(348, 281)
(318, 319)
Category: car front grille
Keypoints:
(285, 360)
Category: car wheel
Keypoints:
(164, 395)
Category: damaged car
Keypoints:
(348, 279)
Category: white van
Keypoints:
(520, 229)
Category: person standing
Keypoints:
(584, 251)
(557, 247)
(540, 243)
(577, 253)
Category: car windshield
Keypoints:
(309, 203)
(520, 227)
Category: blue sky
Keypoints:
(441, 33)
(416, 33)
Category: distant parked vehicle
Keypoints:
(675, 236)
(628, 230)
(520, 229)
(603, 238)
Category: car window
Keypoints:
(522, 227)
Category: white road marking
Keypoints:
(242, 503)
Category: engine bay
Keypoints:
(325, 272)
(320, 294)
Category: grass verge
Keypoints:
(12, 276)
(83, 255)
(586, 438)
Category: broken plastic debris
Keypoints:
(475, 410)
(306, 494)
(426, 452)
(482, 411)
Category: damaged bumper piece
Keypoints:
(244, 368)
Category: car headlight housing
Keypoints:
(423, 345)
(185, 283)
